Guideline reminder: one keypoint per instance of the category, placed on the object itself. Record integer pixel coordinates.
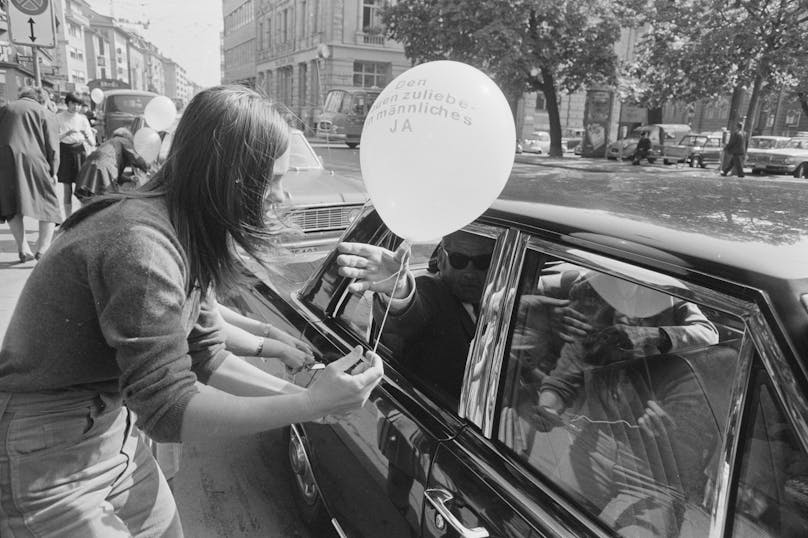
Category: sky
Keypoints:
(187, 31)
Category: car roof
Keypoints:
(753, 229)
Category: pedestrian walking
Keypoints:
(103, 171)
(29, 159)
(76, 141)
(122, 310)
(735, 152)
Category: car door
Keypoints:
(372, 467)
(591, 469)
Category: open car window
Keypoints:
(618, 393)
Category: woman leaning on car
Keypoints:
(136, 324)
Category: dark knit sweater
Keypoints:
(106, 310)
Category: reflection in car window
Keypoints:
(301, 154)
(639, 383)
(772, 491)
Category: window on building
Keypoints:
(370, 74)
(302, 84)
(304, 19)
(260, 36)
(315, 16)
(285, 31)
(541, 102)
(269, 32)
(371, 14)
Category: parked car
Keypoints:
(661, 134)
(537, 142)
(320, 203)
(757, 153)
(571, 140)
(695, 149)
(709, 439)
(792, 158)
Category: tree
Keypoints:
(524, 45)
(694, 50)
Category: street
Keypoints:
(240, 487)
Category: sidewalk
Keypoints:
(13, 274)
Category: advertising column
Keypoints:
(597, 118)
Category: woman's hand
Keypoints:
(567, 323)
(655, 422)
(289, 340)
(345, 385)
(375, 268)
(294, 359)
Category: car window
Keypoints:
(712, 142)
(301, 154)
(333, 101)
(621, 403)
(772, 489)
(130, 104)
(345, 106)
(429, 341)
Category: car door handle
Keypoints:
(438, 498)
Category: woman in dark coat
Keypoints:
(29, 160)
(102, 171)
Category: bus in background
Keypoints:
(344, 113)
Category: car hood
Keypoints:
(312, 187)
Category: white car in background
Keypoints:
(790, 159)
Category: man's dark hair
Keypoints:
(73, 97)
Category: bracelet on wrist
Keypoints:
(260, 347)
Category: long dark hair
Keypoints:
(215, 179)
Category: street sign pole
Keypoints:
(37, 71)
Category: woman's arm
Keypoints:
(259, 328)
(240, 378)
(244, 343)
(212, 412)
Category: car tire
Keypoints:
(351, 145)
(305, 493)
(665, 161)
(651, 160)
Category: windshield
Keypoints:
(127, 104)
(798, 143)
(693, 140)
(767, 143)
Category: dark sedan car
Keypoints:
(687, 414)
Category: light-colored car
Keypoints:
(661, 134)
(758, 152)
(695, 149)
(790, 159)
(320, 203)
(537, 142)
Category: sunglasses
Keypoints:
(460, 261)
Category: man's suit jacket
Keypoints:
(736, 144)
(431, 337)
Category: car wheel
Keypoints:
(304, 488)
(351, 145)
(692, 162)
(651, 160)
(665, 161)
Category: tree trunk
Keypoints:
(753, 111)
(735, 105)
(803, 97)
(553, 115)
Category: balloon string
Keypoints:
(390, 302)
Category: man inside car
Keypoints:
(431, 318)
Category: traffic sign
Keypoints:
(30, 22)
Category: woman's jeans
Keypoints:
(73, 464)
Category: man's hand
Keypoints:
(655, 421)
(567, 323)
(375, 268)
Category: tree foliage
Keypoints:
(524, 45)
(696, 50)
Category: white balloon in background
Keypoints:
(160, 113)
(437, 148)
(97, 95)
(147, 143)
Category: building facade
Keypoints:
(238, 42)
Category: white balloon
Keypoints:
(160, 113)
(147, 143)
(436, 149)
(97, 95)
